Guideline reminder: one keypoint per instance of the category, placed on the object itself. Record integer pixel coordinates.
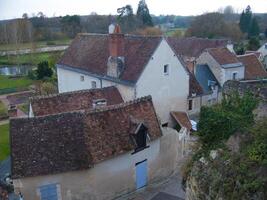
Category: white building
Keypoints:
(136, 65)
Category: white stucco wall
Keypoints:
(263, 50)
(71, 81)
(228, 73)
(112, 177)
(169, 92)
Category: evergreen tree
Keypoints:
(253, 44)
(254, 29)
(143, 13)
(43, 70)
(245, 20)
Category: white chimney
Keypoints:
(111, 28)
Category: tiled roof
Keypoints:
(253, 67)
(77, 140)
(193, 47)
(258, 54)
(90, 52)
(223, 56)
(71, 101)
(182, 119)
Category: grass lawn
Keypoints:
(10, 47)
(4, 141)
(3, 110)
(18, 83)
(30, 59)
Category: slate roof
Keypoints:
(224, 57)
(182, 119)
(77, 140)
(193, 47)
(90, 52)
(203, 75)
(253, 67)
(71, 101)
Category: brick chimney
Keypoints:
(116, 51)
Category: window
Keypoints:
(190, 104)
(166, 69)
(99, 103)
(82, 78)
(93, 84)
(234, 75)
(139, 137)
(50, 192)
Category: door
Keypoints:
(141, 174)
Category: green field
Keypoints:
(171, 32)
(18, 83)
(30, 59)
(10, 47)
(4, 141)
(3, 111)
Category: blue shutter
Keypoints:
(48, 192)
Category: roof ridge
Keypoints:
(126, 35)
(118, 106)
(67, 93)
(248, 54)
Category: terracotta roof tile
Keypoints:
(193, 47)
(223, 56)
(253, 67)
(90, 52)
(71, 101)
(182, 119)
(74, 141)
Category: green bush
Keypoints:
(219, 122)
(43, 70)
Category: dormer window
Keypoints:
(166, 70)
(99, 103)
(139, 137)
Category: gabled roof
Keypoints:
(253, 67)
(90, 52)
(182, 119)
(77, 140)
(205, 77)
(224, 57)
(193, 47)
(71, 101)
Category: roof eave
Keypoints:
(108, 78)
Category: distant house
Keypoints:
(254, 69)
(91, 154)
(191, 48)
(136, 65)
(263, 51)
(73, 101)
(223, 64)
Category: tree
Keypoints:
(213, 25)
(126, 18)
(143, 13)
(254, 29)
(245, 20)
(253, 44)
(43, 70)
(71, 25)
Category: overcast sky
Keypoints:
(15, 8)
